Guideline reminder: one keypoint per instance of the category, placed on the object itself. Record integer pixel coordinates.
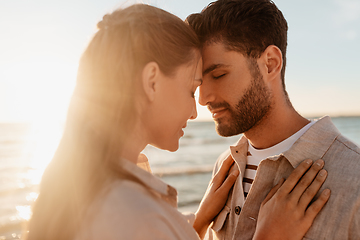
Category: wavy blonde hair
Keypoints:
(101, 113)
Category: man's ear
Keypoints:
(272, 57)
(150, 77)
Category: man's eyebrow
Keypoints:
(213, 67)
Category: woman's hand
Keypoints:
(215, 197)
(285, 213)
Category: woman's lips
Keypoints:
(182, 130)
(181, 133)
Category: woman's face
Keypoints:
(175, 104)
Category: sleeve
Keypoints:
(354, 230)
(156, 229)
(190, 217)
(220, 219)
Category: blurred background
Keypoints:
(40, 46)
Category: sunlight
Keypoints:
(37, 88)
(31, 197)
(41, 94)
(24, 212)
(45, 136)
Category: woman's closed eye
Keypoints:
(197, 83)
(194, 92)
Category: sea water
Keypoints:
(25, 151)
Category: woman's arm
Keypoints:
(215, 197)
(285, 213)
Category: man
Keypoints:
(244, 58)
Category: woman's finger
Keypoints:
(306, 180)
(228, 183)
(316, 206)
(294, 177)
(313, 189)
(223, 171)
(273, 191)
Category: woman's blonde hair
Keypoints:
(102, 112)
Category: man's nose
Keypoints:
(206, 93)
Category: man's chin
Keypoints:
(224, 130)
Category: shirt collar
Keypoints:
(313, 144)
(165, 191)
(241, 146)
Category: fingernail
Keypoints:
(326, 192)
(308, 161)
(236, 173)
(322, 173)
(319, 163)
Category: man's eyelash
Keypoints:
(217, 77)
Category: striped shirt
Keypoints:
(250, 172)
(255, 156)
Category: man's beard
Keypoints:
(250, 110)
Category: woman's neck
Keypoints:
(135, 143)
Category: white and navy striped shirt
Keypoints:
(255, 156)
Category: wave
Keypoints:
(16, 169)
(201, 141)
(189, 203)
(18, 191)
(171, 171)
(12, 230)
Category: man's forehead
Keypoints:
(214, 46)
(217, 52)
(215, 55)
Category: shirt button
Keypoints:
(237, 210)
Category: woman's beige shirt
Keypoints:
(141, 209)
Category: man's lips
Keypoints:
(216, 113)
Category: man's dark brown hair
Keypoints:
(246, 26)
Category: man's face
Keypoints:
(233, 89)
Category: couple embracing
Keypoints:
(135, 86)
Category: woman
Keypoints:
(135, 86)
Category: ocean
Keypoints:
(25, 150)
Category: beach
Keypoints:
(25, 151)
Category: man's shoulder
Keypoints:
(342, 160)
(340, 218)
(341, 139)
(344, 150)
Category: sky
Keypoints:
(41, 42)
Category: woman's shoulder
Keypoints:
(128, 209)
(129, 198)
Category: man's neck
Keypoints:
(274, 128)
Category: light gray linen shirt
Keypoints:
(137, 210)
(339, 219)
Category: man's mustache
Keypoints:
(212, 106)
